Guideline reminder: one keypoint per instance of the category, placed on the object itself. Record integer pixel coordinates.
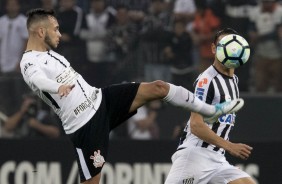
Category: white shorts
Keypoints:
(197, 165)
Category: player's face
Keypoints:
(52, 36)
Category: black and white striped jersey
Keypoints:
(45, 72)
(213, 87)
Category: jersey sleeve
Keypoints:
(204, 89)
(33, 75)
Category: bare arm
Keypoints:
(201, 130)
(48, 130)
(13, 121)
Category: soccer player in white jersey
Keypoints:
(87, 113)
(199, 158)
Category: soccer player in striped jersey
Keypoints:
(88, 114)
(199, 158)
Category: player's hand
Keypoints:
(240, 150)
(64, 90)
(26, 103)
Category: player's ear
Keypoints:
(213, 48)
(42, 32)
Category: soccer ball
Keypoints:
(232, 51)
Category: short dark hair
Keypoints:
(38, 14)
(224, 31)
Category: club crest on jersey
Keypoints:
(98, 159)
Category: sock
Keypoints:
(181, 97)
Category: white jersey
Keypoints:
(213, 87)
(45, 72)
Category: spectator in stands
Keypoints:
(184, 10)
(3, 118)
(31, 120)
(13, 37)
(178, 52)
(143, 125)
(204, 27)
(235, 14)
(178, 131)
(122, 43)
(154, 30)
(99, 19)
(266, 37)
(1, 8)
(72, 19)
(49, 4)
(135, 5)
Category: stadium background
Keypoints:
(41, 160)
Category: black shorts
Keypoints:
(91, 141)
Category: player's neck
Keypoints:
(222, 69)
(35, 45)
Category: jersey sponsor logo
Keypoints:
(227, 119)
(82, 107)
(200, 93)
(188, 181)
(67, 76)
(98, 159)
(202, 82)
(89, 102)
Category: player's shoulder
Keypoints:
(208, 74)
(204, 81)
(29, 55)
(55, 54)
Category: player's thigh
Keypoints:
(228, 174)
(148, 92)
(94, 180)
(188, 166)
(180, 169)
(246, 180)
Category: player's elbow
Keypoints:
(196, 124)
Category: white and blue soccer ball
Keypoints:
(233, 51)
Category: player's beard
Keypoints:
(48, 42)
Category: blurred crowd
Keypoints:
(112, 41)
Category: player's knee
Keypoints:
(160, 88)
